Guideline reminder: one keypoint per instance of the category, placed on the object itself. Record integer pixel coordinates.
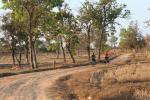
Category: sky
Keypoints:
(139, 12)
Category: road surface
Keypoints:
(33, 86)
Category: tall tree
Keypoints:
(15, 35)
(104, 15)
(32, 12)
(71, 35)
(113, 41)
(131, 38)
(9, 35)
(67, 31)
(86, 23)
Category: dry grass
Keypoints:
(60, 91)
(126, 82)
(130, 73)
(45, 62)
(142, 57)
(68, 87)
(43, 58)
(132, 83)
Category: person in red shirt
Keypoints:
(107, 57)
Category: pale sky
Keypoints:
(139, 11)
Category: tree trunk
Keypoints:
(31, 52)
(13, 51)
(20, 58)
(89, 42)
(34, 56)
(71, 55)
(89, 54)
(99, 54)
(27, 56)
(31, 42)
(31, 48)
(99, 50)
(103, 32)
(27, 53)
(13, 57)
(63, 50)
(100, 45)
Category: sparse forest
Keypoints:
(34, 26)
(78, 54)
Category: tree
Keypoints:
(15, 37)
(123, 36)
(147, 40)
(86, 23)
(104, 15)
(131, 38)
(113, 41)
(32, 12)
(67, 32)
(71, 35)
(9, 33)
(62, 15)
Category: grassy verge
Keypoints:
(16, 71)
(128, 82)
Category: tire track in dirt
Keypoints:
(33, 86)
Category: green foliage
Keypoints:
(131, 38)
(106, 12)
(123, 37)
(31, 20)
(113, 41)
(33, 10)
(4, 45)
(13, 32)
(53, 47)
(72, 42)
(103, 15)
(105, 48)
(85, 12)
(68, 28)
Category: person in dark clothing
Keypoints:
(107, 57)
(93, 59)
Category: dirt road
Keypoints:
(123, 59)
(33, 86)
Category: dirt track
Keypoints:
(33, 86)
